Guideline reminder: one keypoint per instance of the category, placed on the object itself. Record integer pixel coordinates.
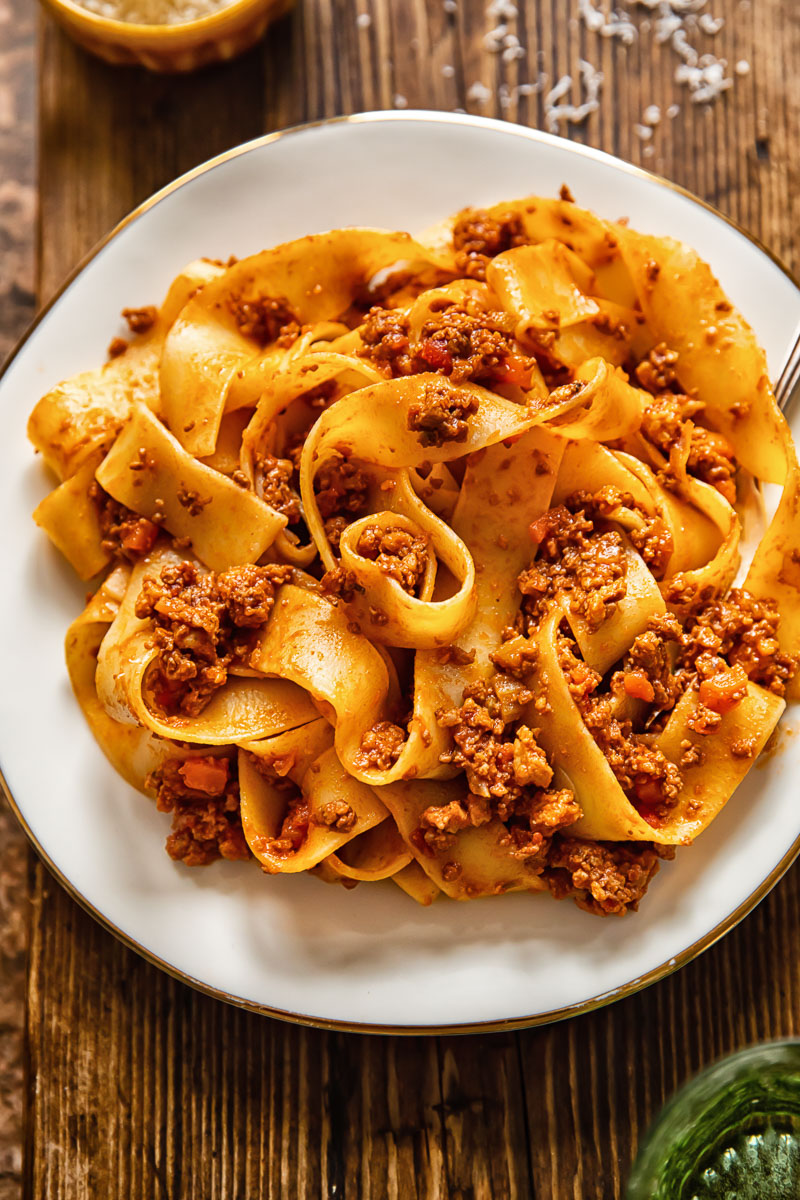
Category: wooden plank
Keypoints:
(140, 1087)
(17, 216)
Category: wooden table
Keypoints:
(130, 1085)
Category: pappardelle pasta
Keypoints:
(419, 560)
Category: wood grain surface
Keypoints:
(139, 1087)
(17, 303)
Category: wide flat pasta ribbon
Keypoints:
(244, 707)
(308, 759)
(579, 763)
(310, 641)
(290, 383)
(132, 750)
(608, 407)
(709, 783)
(83, 415)
(695, 537)
(774, 573)
(616, 334)
(604, 646)
(486, 865)
(315, 278)
(377, 854)
(149, 471)
(716, 575)
(545, 286)
(504, 489)
(406, 620)
(719, 360)
(70, 519)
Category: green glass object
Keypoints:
(731, 1133)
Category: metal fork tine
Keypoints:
(790, 387)
(791, 384)
(790, 375)
(787, 381)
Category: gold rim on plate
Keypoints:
(512, 1023)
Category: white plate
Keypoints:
(290, 946)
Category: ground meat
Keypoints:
(203, 796)
(478, 236)
(398, 553)
(294, 827)
(297, 814)
(548, 810)
(469, 344)
(124, 533)
(438, 826)
(204, 623)
(337, 814)
(656, 372)
(711, 459)
(612, 326)
(537, 817)
(664, 423)
(192, 501)
(507, 775)
(581, 680)
(341, 492)
(529, 763)
(461, 341)
(651, 782)
(693, 754)
(573, 557)
(499, 762)
(264, 318)
(339, 584)
(516, 657)
(386, 338)
(140, 320)
(381, 746)
(603, 878)
(664, 418)
(116, 347)
(743, 631)
(654, 542)
(273, 483)
(651, 656)
(652, 539)
(704, 720)
(441, 414)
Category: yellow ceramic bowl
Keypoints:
(181, 47)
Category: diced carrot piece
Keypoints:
(539, 529)
(436, 355)
(514, 370)
(141, 537)
(209, 775)
(724, 691)
(638, 686)
(648, 792)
